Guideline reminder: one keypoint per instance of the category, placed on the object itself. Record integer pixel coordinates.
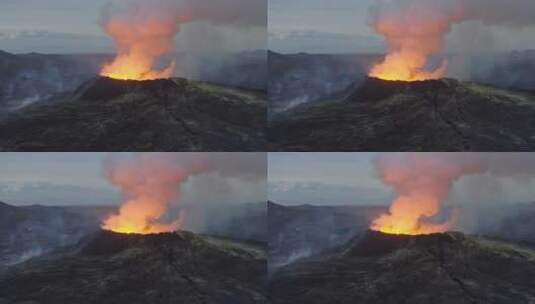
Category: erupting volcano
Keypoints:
(149, 185)
(414, 31)
(422, 183)
(142, 36)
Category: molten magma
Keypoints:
(407, 216)
(140, 216)
(141, 39)
(149, 185)
(414, 31)
(422, 182)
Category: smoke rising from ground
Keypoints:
(424, 181)
(415, 30)
(144, 31)
(151, 183)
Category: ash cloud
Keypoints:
(203, 192)
(192, 39)
(199, 23)
(475, 185)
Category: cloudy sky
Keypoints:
(80, 179)
(342, 26)
(351, 179)
(72, 26)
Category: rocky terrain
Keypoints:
(107, 267)
(162, 115)
(26, 232)
(32, 78)
(436, 115)
(30, 231)
(296, 79)
(439, 268)
(299, 232)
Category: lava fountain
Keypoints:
(149, 185)
(414, 31)
(422, 182)
(142, 34)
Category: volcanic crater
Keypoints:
(441, 268)
(109, 267)
(430, 115)
(175, 114)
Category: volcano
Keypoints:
(106, 114)
(430, 115)
(108, 267)
(438, 268)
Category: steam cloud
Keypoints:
(416, 29)
(151, 182)
(144, 31)
(422, 182)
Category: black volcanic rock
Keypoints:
(116, 268)
(160, 115)
(434, 115)
(30, 231)
(438, 268)
(105, 88)
(374, 89)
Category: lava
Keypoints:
(421, 182)
(149, 185)
(414, 31)
(142, 36)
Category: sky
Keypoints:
(72, 26)
(80, 179)
(343, 26)
(351, 179)
(325, 179)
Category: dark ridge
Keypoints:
(107, 242)
(373, 89)
(105, 88)
(6, 206)
(376, 243)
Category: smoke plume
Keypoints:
(423, 181)
(150, 183)
(416, 29)
(144, 31)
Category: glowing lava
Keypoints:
(422, 182)
(407, 216)
(406, 67)
(142, 35)
(140, 216)
(149, 185)
(414, 31)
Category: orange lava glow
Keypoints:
(149, 185)
(141, 37)
(422, 183)
(139, 216)
(406, 214)
(131, 68)
(406, 67)
(414, 31)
